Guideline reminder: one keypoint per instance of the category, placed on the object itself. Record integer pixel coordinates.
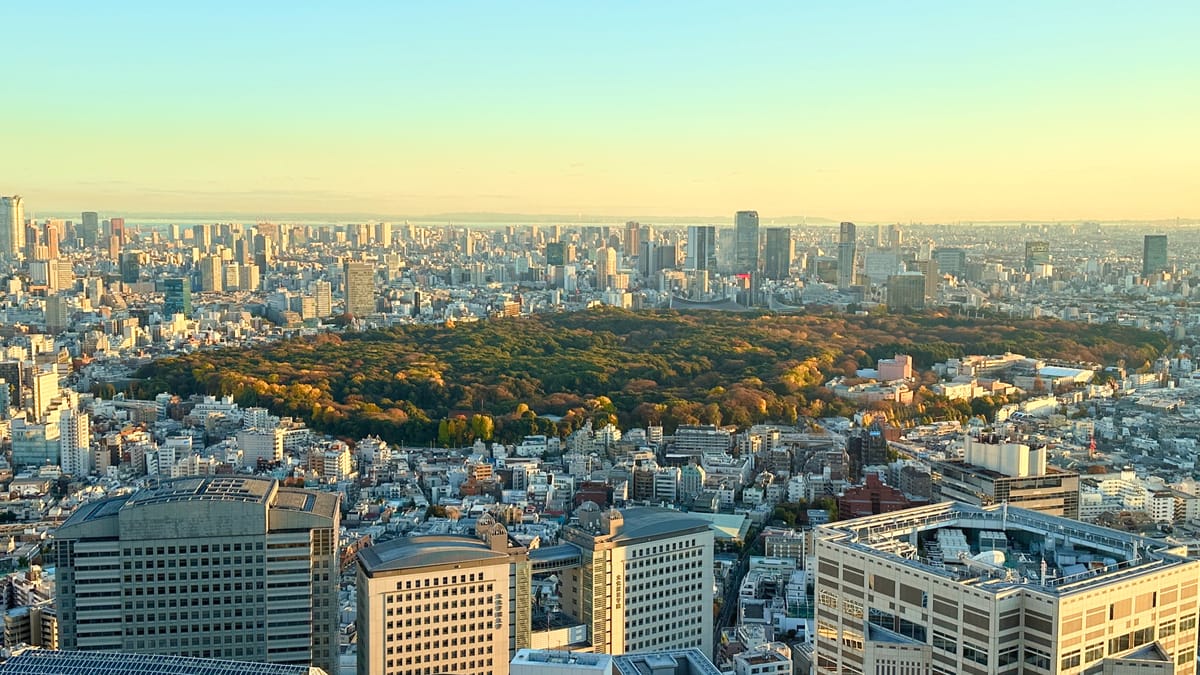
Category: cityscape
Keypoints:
(291, 385)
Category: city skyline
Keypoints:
(865, 112)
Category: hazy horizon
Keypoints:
(865, 111)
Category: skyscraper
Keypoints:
(216, 567)
(1154, 254)
(906, 291)
(777, 253)
(847, 250)
(12, 225)
(746, 247)
(606, 267)
(89, 228)
(359, 281)
(633, 239)
(323, 292)
(1036, 253)
(177, 296)
(701, 248)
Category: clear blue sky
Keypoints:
(857, 110)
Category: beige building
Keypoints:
(443, 604)
(226, 567)
(644, 582)
(996, 469)
(956, 589)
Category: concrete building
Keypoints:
(777, 253)
(556, 662)
(443, 604)
(746, 246)
(12, 226)
(847, 252)
(1027, 593)
(645, 579)
(701, 248)
(1154, 254)
(906, 291)
(218, 567)
(358, 278)
(260, 445)
(996, 470)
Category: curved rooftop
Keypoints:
(430, 551)
(649, 522)
(207, 488)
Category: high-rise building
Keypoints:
(777, 253)
(323, 292)
(929, 269)
(556, 253)
(1154, 254)
(606, 267)
(952, 588)
(906, 291)
(229, 567)
(58, 313)
(701, 248)
(74, 441)
(202, 237)
(89, 228)
(633, 239)
(951, 261)
(1036, 253)
(116, 230)
(746, 238)
(212, 274)
(12, 225)
(644, 582)
(358, 278)
(177, 296)
(847, 252)
(443, 604)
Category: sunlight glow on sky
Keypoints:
(868, 111)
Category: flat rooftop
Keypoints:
(208, 488)
(998, 547)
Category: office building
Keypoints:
(177, 296)
(956, 589)
(323, 295)
(996, 469)
(212, 274)
(633, 238)
(777, 253)
(906, 291)
(556, 253)
(929, 269)
(1154, 254)
(223, 567)
(644, 581)
(746, 242)
(606, 268)
(358, 278)
(45, 661)
(847, 252)
(89, 228)
(443, 604)
(952, 261)
(701, 248)
(1036, 253)
(12, 226)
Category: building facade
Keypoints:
(1027, 593)
(443, 604)
(359, 280)
(746, 242)
(847, 251)
(216, 567)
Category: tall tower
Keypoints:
(1154, 254)
(177, 296)
(777, 253)
(847, 249)
(12, 225)
(253, 572)
(701, 248)
(359, 280)
(606, 267)
(89, 229)
(746, 246)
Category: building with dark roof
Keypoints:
(225, 567)
(46, 662)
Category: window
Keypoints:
(1071, 659)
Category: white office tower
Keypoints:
(223, 567)
(12, 226)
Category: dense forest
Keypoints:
(499, 378)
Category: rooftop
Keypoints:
(44, 662)
(427, 551)
(1002, 546)
(208, 488)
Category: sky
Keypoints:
(867, 111)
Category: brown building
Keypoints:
(871, 499)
